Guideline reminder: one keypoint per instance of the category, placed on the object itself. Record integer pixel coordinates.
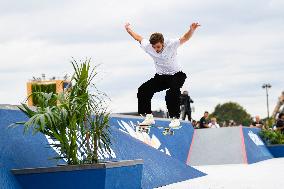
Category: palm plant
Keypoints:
(78, 113)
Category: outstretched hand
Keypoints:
(133, 34)
(194, 25)
(189, 33)
(127, 26)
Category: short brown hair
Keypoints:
(156, 38)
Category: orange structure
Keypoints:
(60, 86)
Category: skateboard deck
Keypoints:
(166, 129)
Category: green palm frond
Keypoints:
(76, 110)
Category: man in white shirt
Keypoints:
(169, 75)
(213, 123)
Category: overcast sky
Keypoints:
(239, 46)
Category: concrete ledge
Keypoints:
(15, 107)
(277, 150)
(275, 145)
(9, 107)
(77, 167)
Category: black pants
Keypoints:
(159, 83)
(184, 113)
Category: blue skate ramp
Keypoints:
(19, 150)
(176, 146)
(31, 151)
(159, 169)
(255, 148)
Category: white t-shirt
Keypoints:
(165, 61)
(216, 125)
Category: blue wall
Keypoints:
(276, 150)
(256, 151)
(92, 178)
(124, 177)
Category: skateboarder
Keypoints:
(169, 75)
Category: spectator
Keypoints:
(232, 123)
(185, 101)
(213, 123)
(204, 121)
(197, 125)
(280, 123)
(257, 123)
(194, 123)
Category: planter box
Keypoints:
(276, 150)
(109, 175)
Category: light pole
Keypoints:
(266, 86)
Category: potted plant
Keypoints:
(79, 112)
(274, 140)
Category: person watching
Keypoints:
(257, 123)
(204, 121)
(213, 123)
(280, 123)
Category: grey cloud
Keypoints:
(238, 47)
(22, 7)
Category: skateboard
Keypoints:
(166, 129)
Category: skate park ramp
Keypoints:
(255, 149)
(30, 151)
(159, 169)
(232, 145)
(20, 151)
(176, 146)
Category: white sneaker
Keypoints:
(149, 120)
(175, 123)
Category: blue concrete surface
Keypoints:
(276, 150)
(19, 150)
(159, 169)
(24, 151)
(124, 177)
(177, 145)
(110, 178)
(7, 179)
(255, 148)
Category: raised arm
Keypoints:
(189, 33)
(135, 36)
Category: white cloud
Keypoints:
(239, 46)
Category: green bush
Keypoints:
(272, 137)
(46, 88)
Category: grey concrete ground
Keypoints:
(263, 175)
(216, 147)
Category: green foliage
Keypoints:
(78, 113)
(269, 123)
(231, 111)
(46, 88)
(272, 137)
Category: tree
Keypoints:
(231, 111)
